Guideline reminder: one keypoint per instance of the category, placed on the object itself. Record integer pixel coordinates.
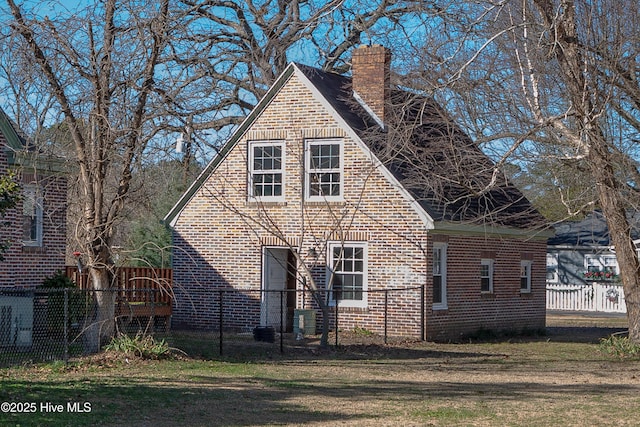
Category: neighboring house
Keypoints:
(36, 227)
(360, 185)
(582, 268)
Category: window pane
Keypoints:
(325, 156)
(437, 289)
(524, 283)
(347, 265)
(347, 252)
(484, 271)
(30, 229)
(484, 284)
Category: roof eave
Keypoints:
(495, 230)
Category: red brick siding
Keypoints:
(28, 266)
(506, 308)
(219, 244)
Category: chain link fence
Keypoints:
(55, 324)
(262, 322)
(40, 325)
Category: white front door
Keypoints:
(274, 279)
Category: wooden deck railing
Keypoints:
(140, 290)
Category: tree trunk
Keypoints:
(324, 337)
(590, 139)
(614, 210)
(100, 324)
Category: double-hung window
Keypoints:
(486, 275)
(266, 170)
(32, 209)
(348, 274)
(525, 276)
(439, 275)
(323, 165)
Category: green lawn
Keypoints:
(535, 382)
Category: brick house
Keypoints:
(349, 183)
(36, 228)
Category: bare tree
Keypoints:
(551, 82)
(101, 69)
(234, 50)
(122, 73)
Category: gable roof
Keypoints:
(420, 148)
(15, 140)
(592, 231)
(22, 152)
(440, 166)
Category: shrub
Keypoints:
(77, 303)
(620, 346)
(142, 346)
(57, 281)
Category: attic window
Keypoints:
(324, 170)
(266, 170)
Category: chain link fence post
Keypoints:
(221, 313)
(386, 313)
(65, 327)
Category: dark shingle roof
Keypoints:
(441, 167)
(591, 231)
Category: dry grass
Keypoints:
(559, 379)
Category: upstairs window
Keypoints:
(486, 275)
(347, 275)
(323, 170)
(266, 173)
(32, 210)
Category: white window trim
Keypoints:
(250, 171)
(330, 261)
(527, 264)
(489, 262)
(38, 200)
(600, 261)
(307, 170)
(443, 276)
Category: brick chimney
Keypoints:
(371, 77)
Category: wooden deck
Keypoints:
(141, 291)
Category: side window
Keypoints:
(601, 267)
(486, 275)
(348, 274)
(266, 170)
(32, 213)
(525, 276)
(439, 275)
(323, 165)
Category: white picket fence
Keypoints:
(593, 296)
